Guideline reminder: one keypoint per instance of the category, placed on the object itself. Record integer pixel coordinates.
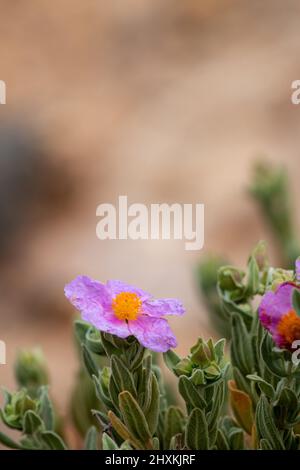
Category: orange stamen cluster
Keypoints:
(127, 306)
(289, 328)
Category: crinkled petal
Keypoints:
(274, 305)
(107, 322)
(93, 300)
(160, 307)
(278, 340)
(116, 287)
(153, 333)
(297, 268)
(85, 293)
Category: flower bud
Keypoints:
(16, 406)
(230, 278)
(30, 370)
(279, 276)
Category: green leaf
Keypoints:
(171, 359)
(134, 417)
(81, 328)
(190, 393)
(288, 399)
(184, 367)
(46, 411)
(198, 377)
(219, 349)
(174, 422)
(253, 277)
(125, 446)
(217, 404)
(241, 382)
(8, 442)
(123, 431)
(89, 361)
(145, 384)
(241, 349)
(296, 301)
(236, 439)
(93, 341)
(122, 377)
(31, 422)
(260, 255)
(201, 354)
(53, 440)
(266, 426)
(113, 392)
(100, 394)
(101, 417)
(152, 413)
(197, 431)
(156, 444)
(221, 442)
(265, 444)
(108, 443)
(273, 360)
(91, 439)
(265, 387)
(135, 355)
(109, 345)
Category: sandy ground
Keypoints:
(161, 104)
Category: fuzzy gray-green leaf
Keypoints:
(122, 376)
(134, 417)
(89, 361)
(266, 426)
(31, 422)
(190, 393)
(196, 437)
(53, 440)
(241, 349)
(152, 413)
(91, 439)
(46, 409)
(108, 443)
(171, 359)
(8, 442)
(174, 422)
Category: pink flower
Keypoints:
(277, 314)
(123, 310)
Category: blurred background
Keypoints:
(163, 101)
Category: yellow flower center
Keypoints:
(289, 327)
(126, 306)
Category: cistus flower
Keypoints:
(277, 314)
(123, 310)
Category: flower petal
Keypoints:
(116, 287)
(160, 307)
(93, 300)
(153, 333)
(297, 269)
(85, 293)
(107, 322)
(274, 305)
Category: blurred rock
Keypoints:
(31, 185)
